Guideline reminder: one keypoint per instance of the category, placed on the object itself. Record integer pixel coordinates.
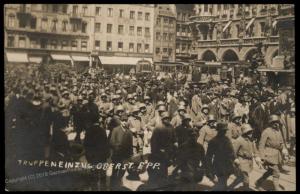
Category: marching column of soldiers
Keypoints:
(212, 129)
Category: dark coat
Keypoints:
(220, 147)
(78, 116)
(96, 144)
(121, 143)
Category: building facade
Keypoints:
(184, 38)
(57, 32)
(229, 32)
(164, 33)
(47, 32)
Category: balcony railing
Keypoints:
(236, 41)
(203, 18)
(47, 31)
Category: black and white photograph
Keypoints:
(149, 97)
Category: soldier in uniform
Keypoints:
(177, 119)
(207, 132)
(77, 112)
(137, 127)
(234, 127)
(162, 149)
(128, 106)
(203, 115)
(271, 148)
(245, 150)
(220, 158)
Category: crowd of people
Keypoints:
(212, 129)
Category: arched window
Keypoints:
(209, 56)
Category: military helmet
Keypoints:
(235, 116)
(187, 117)
(204, 106)
(160, 103)
(135, 109)
(181, 107)
(274, 118)
(147, 98)
(129, 96)
(119, 108)
(222, 126)
(246, 128)
(118, 92)
(161, 109)
(211, 118)
(165, 115)
(142, 105)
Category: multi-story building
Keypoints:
(184, 36)
(122, 34)
(228, 33)
(47, 32)
(164, 34)
(116, 34)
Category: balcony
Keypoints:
(235, 41)
(203, 19)
(47, 31)
(183, 55)
(76, 16)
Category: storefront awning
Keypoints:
(227, 25)
(80, 58)
(277, 70)
(35, 59)
(61, 57)
(15, 57)
(250, 23)
(121, 60)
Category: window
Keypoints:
(84, 10)
(54, 23)
(171, 37)
(170, 51)
(109, 28)
(225, 6)
(171, 23)
(183, 16)
(131, 47)
(262, 28)
(97, 44)
(83, 27)
(121, 13)
(74, 45)
(64, 25)
(120, 46)
(147, 16)
(75, 27)
(157, 35)
(64, 8)
(64, 45)
(98, 11)
(140, 15)
(11, 21)
(139, 48)
(183, 47)
(110, 12)
(131, 30)
(44, 43)
(53, 44)
(33, 43)
(108, 45)
(131, 14)
(11, 41)
(158, 21)
(205, 7)
(22, 23)
(97, 27)
(139, 31)
(33, 23)
(22, 42)
(165, 50)
(75, 9)
(177, 48)
(157, 50)
(146, 48)
(54, 8)
(84, 45)
(166, 21)
(120, 29)
(165, 36)
(147, 32)
(44, 24)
